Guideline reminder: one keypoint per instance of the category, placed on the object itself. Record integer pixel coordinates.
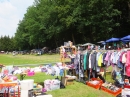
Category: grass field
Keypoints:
(76, 90)
(28, 59)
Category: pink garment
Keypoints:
(128, 70)
(111, 59)
(107, 56)
(89, 47)
(128, 58)
(6, 72)
(128, 63)
(30, 73)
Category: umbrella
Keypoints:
(126, 37)
(112, 40)
(86, 44)
(126, 40)
(102, 42)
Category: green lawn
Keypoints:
(28, 59)
(76, 90)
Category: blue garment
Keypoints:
(72, 60)
(114, 57)
(119, 64)
(61, 72)
(119, 77)
(77, 69)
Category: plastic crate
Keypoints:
(112, 92)
(97, 86)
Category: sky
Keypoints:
(11, 12)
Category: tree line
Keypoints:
(52, 22)
(7, 43)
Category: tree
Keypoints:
(52, 22)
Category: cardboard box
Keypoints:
(67, 81)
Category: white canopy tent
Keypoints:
(86, 44)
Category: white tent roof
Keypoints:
(86, 44)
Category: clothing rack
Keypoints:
(89, 72)
(102, 51)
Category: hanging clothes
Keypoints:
(128, 63)
(128, 58)
(107, 58)
(100, 61)
(85, 61)
(93, 60)
(81, 70)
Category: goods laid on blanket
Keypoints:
(9, 84)
(13, 87)
(57, 69)
(9, 81)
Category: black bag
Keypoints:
(62, 86)
(114, 75)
